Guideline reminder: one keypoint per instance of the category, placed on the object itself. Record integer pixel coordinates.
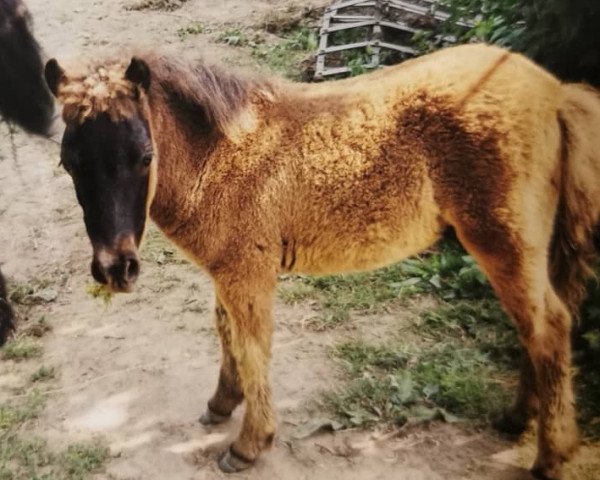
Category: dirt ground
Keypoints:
(139, 372)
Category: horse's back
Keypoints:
(388, 160)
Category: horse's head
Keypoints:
(107, 150)
(24, 97)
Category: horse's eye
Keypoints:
(147, 159)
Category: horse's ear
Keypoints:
(55, 75)
(138, 72)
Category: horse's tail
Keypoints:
(6, 313)
(573, 255)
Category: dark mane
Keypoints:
(206, 94)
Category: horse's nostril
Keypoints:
(132, 269)
(99, 273)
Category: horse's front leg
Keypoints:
(248, 306)
(229, 392)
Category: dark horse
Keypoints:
(24, 96)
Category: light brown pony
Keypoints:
(256, 177)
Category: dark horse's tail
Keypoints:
(6, 313)
(574, 255)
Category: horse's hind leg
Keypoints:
(229, 390)
(518, 271)
(514, 420)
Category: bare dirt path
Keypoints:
(139, 372)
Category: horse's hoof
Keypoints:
(542, 473)
(547, 468)
(232, 463)
(510, 423)
(211, 418)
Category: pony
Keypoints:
(254, 176)
(24, 97)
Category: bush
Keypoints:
(558, 34)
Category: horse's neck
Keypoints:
(180, 167)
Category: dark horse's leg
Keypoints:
(6, 313)
(229, 391)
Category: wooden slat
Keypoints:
(352, 18)
(351, 3)
(346, 26)
(398, 48)
(350, 46)
(399, 26)
(334, 71)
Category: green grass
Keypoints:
(100, 292)
(233, 37)
(480, 324)
(36, 292)
(80, 459)
(22, 459)
(448, 373)
(21, 348)
(295, 291)
(26, 457)
(285, 57)
(43, 374)
(13, 415)
(167, 5)
(194, 28)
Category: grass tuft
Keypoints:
(295, 291)
(166, 5)
(43, 374)
(233, 37)
(80, 459)
(21, 348)
(194, 28)
(102, 292)
(36, 292)
(13, 415)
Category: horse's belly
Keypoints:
(338, 251)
